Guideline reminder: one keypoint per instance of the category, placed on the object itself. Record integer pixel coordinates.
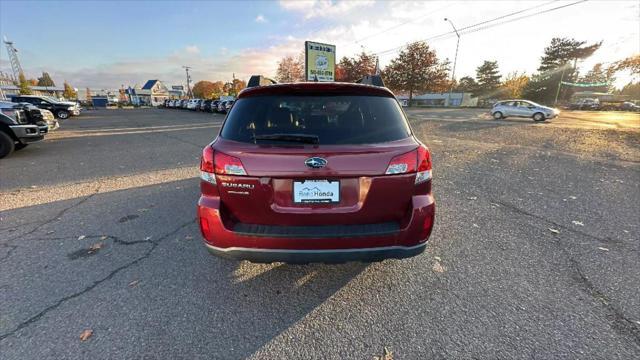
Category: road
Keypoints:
(535, 253)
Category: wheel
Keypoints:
(20, 146)
(497, 115)
(538, 117)
(6, 145)
(63, 114)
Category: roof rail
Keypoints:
(375, 80)
(259, 80)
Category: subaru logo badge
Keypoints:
(315, 162)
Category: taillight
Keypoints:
(206, 165)
(228, 165)
(402, 164)
(424, 165)
(418, 161)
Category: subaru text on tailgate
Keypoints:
(316, 172)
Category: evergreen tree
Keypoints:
(488, 78)
(632, 90)
(45, 80)
(558, 63)
(467, 84)
(598, 74)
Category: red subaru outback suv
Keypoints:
(316, 172)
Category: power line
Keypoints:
(474, 28)
(402, 24)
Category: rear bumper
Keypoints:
(328, 243)
(317, 256)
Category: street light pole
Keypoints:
(455, 60)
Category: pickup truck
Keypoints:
(61, 109)
(18, 129)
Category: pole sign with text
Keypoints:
(320, 61)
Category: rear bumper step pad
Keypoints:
(324, 231)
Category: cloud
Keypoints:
(387, 27)
(323, 8)
(260, 19)
(192, 49)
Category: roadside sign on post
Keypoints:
(320, 61)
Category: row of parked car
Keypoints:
(596, 104)
(206, 105)
(29, 118)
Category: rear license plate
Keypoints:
(316, 191)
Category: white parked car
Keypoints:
(523, 108)
(191, 105)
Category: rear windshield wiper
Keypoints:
(300, 138)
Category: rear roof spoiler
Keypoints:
(375, 80)
(259, 80)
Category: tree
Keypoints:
(467, 84)
(632, 63)
(32, 82)
(598, 74)
(488, 78)
(23, 84)
(233, 88)
(290, 69)
(416, 69)
(632, 90)
(354, 69)
(69, 92)
(558, 63)
(514, 85)
(207, 89)
(238, 85)
(45, 80)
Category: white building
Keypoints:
(440, 99)
(153, 93)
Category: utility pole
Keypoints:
(455, 60)
(559, 85)
(564, 68)
(189, 94)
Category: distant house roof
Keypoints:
(149, 84)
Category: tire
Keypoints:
(539, 117)
(497, 115)
(62, 114)
(7, 145)
(20, 146)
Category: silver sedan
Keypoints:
(523, 108)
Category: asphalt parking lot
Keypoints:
(535, 253)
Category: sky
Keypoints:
(107, 44)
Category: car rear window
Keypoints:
(333, 120)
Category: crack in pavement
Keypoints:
(619, 322)
(12, 248)
(606, 241)
(38, 316)
(57, 216)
